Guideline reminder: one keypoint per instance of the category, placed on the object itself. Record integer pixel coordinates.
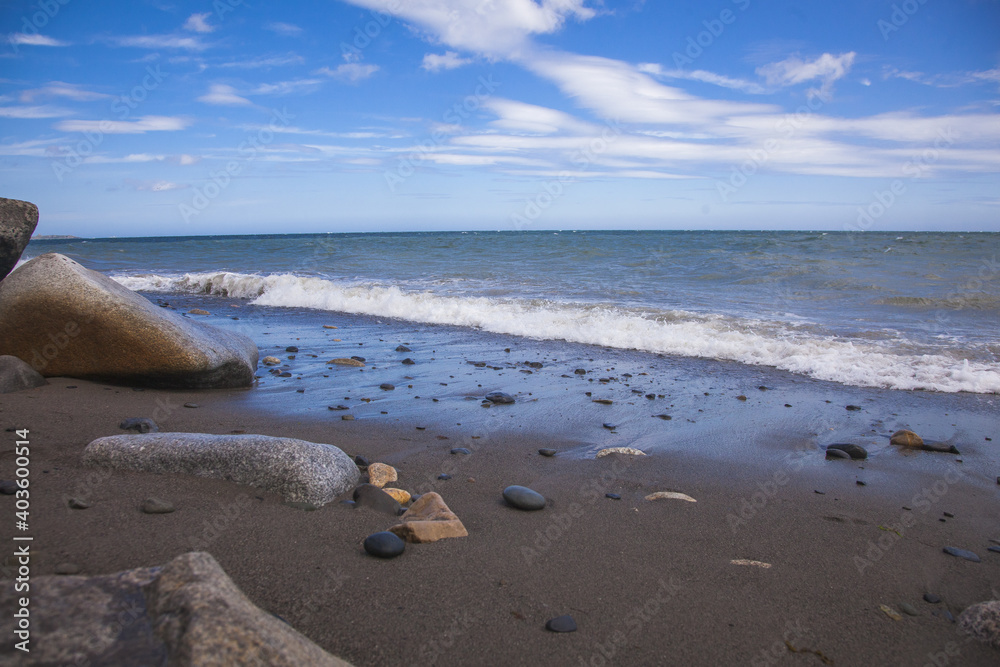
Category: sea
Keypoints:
(900, 311)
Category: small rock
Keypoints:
(77, 504)
(630, 451)
(361, 461)
(982, 621)
(460, 450)
(994, 549)
(361, 359)
(270, 361)
(853, 451)
(384, 545)
(499, 398)
(603, 401)
(67, 569)
(347, 418)
(906, 438)
(609, 426)
(191, 405)
(561, 624)
(663, 417)
(860, 483)
(341, 361)
(337, 407)
(157, 506)
(8, 487)
(853, 407)
(291, 348)
(139, 425)
(408, 362)
(613, 496)
(429, 520)
(894, 615)
(403, 348)
(380, 474)
(741, 397)
(961, 553)
(547, 452)
(401, 496)
(329, 326)
(670, 495)
(198, 311)
(580, 371)
(523, 498)
(385, 386)
(908, 609)
(939, 447)
(931, 598)
(837, 454)
(444, 476)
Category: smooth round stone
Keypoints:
(547, 452)
(157, 506)
(908, 609)
(961, 553)
(853, 451)
(523, 498)
(403, 348)
(460, 450)
(77, 504)
(561, 624)
(291, 348)
(8, 487)
(613, 496)
(195, 405)
(608, 425)
(444, 475)
(499, 397)
(384, 545)
(361, 461)
(385, 386)
(837, 454)
(931, 598)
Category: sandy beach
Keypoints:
(785, 558)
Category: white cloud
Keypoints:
(223, 95)
(199, 23)
(140, 126)
(284, 29)
(945, 80)
(268, 61)
(59, 89)
(162, 42)
(155, 186)
(521, 118)
(286, 87)
(793, 70)
(351, 72)
(701, 75)
(43, 111)
(434, 62)
(20, 38)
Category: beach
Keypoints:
(785, 558)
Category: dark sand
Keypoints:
(649, 583)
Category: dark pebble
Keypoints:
(837, 454)
(8, 487)
(993, 549)
(547, 452)
(369, 495)
(195, 405)
(403, 348)
(385, 386)
(384, 545)
(499, 397)
(650, 396)
(444, 475)
(949, 515)
(337, 407)
(853, 451)
(139, 425)
(460, 450)
(157, 506)
(613, 496)
(361, 461)
(860, 483)
(408, 362)
(961, 553)
(608, 425)
(300, 391)
(947, 615)
(286, 374)
(347, 418)
(822, 493)
(664, 417)
(561, 624)
(361, 359)
(853, 407)
(580, 371)
(523, 498)
(931, 598)
(77, 504)
(291, 348)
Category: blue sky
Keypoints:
(153, 117)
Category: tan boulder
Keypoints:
(380, 474)
(429, 520)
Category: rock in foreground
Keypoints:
(299, 471)
(188, 612)
(66, 320)
(18, 220)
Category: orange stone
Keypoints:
(429, 520)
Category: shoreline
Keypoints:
(648, 582)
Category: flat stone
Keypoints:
(609, 426)
(157, 506)
(78, 504)
(384, 544)
(856, 452)
(961, 553)
(982, 621)
(460, 450)
(906, 438)
(663, 417)
(580, 371)
(670, 495)
(139, 425)
(270, 361)
(547, 452)
(380, 474)
(297, 470)
(499, 398)
(385, 386)
(627, 451)
(908, 609)
(367, 495)
(837, 454)
(561, 624)
(8, 487)
(603, 401)
(994, 549)
(347, 418)
(429, 520)
(891, 613)
(342, 361)
(613, 496)
(18, 220)
(523, 498)
(198, 311)
(103, 331)
(853, 407)
(939, 447)
(191, 405)
(931, 598)
(444, 476)
(17, 375)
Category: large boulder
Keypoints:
(66, 320)
(299, 471)
(16, 375)
(17, 221)
(188, 612)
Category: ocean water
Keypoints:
(907, 311)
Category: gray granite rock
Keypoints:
(17, 221)
(297, 470)
(16, 375)
(982, 621)
(188, 612)
(66, 320)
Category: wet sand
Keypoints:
(647, 582)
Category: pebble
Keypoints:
(8, 487)
(347, 418)
(670, 495)
(860, 483)
(139, 425)
(361, 461)
(270, 361)
(444, 476)
(403, 348)
(664, 417)
(499, 397)
(853, 407)
(603, 401)
(157, 506)
(609, 426)
(337, 407)
(460, 450)
(198, 311)
(547, 452)
(837, 454)
(741, 397)
(408, 362)
(384, 545)
(961, 553)
(894, 615)
(949, 515)
(523, 498)
(67, 568)
(401, 496)
(994, 549)
(381, 474)
(385, 386)
(580, 371)
(561, 624)
(906, 439)
(613, 496)
(77, 504)
(908, 609)
(195, 405)
(931, 598)
(853, 451)
(291, 348)
(620, 450)
(341, 361)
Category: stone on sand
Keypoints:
(380, 474)
(401, 496)
(670, 495)
(341, 361)
(16, 375)
(384, 545)
(368, 495)
(429, 520)
(982, 621)
(297, 470)
(906, 439)
(188, 612)
(853, 451)
(628, 451)
(66, 320)
(18, 220)
(523, 498)
(270, 361)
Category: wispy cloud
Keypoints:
(350, 72)
(161, 42)
(944, 80)
(70, 91)
(155, 186)
(266, 61)
(199, 23)
(43, 111)
(284, 29)
(434, 62)
(703, 76)
(140, 126)
(287, 87)
(827, 69)
(222, 95)
(22, 39)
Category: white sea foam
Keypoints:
(748, 341)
